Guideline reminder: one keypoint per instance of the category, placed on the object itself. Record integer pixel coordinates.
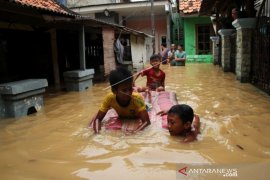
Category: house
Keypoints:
(137, 15)
(100, 49)
(28, 57)
(45, 35)
(195, 31)
(27, 37)
(42, 39)
(244, 47)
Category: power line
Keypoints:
(131, 76)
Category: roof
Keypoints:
(47, 5)
(189, 6)
(90, 21)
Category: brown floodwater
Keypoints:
(56, 143)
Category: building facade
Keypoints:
(195, 32)
(139, 15)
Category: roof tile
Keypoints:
(49, 5)
(189, 6)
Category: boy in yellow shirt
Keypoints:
(126, 103)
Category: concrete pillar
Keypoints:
(226, 48)
(244, 27)
(215, 48)
(55, 58)
(82, 48)
(108, 40)
(168, 39)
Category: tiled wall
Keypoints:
(108, 40)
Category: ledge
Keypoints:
(79, 73)
(21, 98)
(78, 80)
(18, 87)
(244, 23)
(214, 38)
(226, 32)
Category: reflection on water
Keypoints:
(55, 143)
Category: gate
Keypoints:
(260, 72)
(233, 52)
(94, 54)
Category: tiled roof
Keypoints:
(48, 5)
(189, 6)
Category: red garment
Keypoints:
(154, 81)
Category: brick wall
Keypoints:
(109, 59)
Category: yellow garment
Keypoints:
(135, 106)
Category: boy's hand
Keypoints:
(97, 125)
(140, 127)
(189, 138)
(97, 121)
(163, 112)
(129, 132)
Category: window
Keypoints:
(203, 39)
(163, 39)
(125, 41)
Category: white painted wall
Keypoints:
(138, 52)
(76, 3)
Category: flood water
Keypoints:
(55, 143)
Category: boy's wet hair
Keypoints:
(183, 111)
(119, 76)
(154, 57)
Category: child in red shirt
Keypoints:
(155, 76)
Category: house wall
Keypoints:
(64, 2)
(144, 25)
(108, 40)
(190, 37)
(177, 26)
(76, 3)
(138, 51)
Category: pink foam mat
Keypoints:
(158, 101)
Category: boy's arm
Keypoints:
(136, 77)
(163, 81)
(193, 135)
(196, 124)
(143, 115)
(105, 106)
(179, 59)
(176, 56)
(183, 58)
(97, 121)
(162, 112)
